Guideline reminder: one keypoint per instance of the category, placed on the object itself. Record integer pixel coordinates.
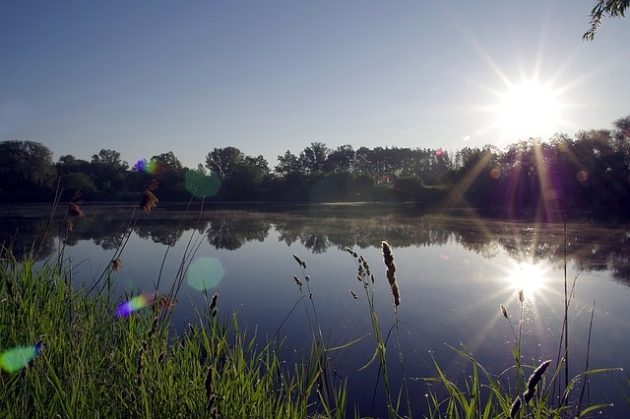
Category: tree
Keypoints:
(110, 158)
(223, 161)
(26, 170)
(254, 168)
(77, 182)
(623, 127)
(74, 176)
(363, 161)
(340, 160)
(167, 162)
(108, 172)
(169, 172)
(314, 157)
(70, 164)
(288, 164)
(608, 8)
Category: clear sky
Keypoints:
(147, 77)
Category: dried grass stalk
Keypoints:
(388, 257)
(74, 210)
(164, 302)
(116, 265)
(149, 201)
(504, 312)
(299, 261)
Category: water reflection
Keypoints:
(527, 278)
(454, 273)
(226, 232)
(592, 247)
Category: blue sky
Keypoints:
(146, 77)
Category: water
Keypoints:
(453, 273)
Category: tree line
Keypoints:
(588, 172)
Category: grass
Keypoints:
(94, 365)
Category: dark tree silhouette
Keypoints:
(289, 163)
(26, 171)
(223, 161)
(313, 158)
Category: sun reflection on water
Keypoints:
(529, 277)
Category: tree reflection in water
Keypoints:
(591, 247)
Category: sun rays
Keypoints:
(528, 277)
(528, 109)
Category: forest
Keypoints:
(585, 175)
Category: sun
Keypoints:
(528, 109)
(529, 277)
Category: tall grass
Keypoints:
(330, 395)
(487, 395)
(94, 365)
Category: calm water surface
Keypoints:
(453, 273)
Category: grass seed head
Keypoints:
(388, 258)
(516, 406)
(116, 265)
(352, 252)
(214, 301)
(149, 201)
(74, 210)
(299, 261)
(534, 379)
(504, 311)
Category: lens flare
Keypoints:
(205, 273)
(202, 185)
(14, 359)
(582, 176)
(136, 303)
(140, 165)
(151, 167)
